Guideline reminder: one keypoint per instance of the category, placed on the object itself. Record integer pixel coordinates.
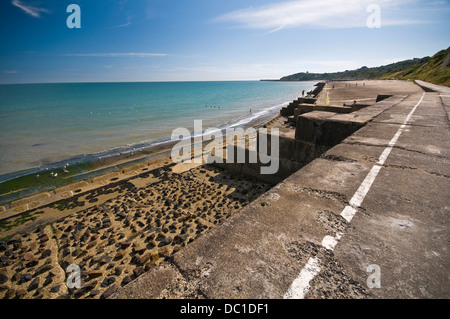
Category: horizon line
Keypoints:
(156, 81)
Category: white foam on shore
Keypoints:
(259, 114)
(141, 146)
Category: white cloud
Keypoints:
(222, 72)
(322, 14)
(116, 55)
(123, 25)
(128, 23)
(10, 71)
(30, 9)
(256, 71)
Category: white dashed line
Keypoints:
(299, 288)
(329, 242)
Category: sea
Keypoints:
(49, 124)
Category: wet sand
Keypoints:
(134, 230)
(116, 228)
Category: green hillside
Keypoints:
(435, 70)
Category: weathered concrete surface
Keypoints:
(289, 109)
(405, 226)
(364, 92)
(402, 225)
(329, 128)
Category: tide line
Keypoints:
(300, 286)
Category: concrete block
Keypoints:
(27, 200)
(332, 133)
(71, 187)
(105, 178)
(306, 129)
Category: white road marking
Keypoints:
(365, 186)
(300, 286)
(348, 212)
(329, 242)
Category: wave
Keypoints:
(130, 149)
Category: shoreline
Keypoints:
(94, 165)
(141, 120)
(118, 231)
(116, 221)
(119, 226)
(128, 225)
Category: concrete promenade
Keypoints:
(368, 219)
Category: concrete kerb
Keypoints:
(42, 199)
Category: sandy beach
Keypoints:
(115, 226)
(140, 223)
(212, 157)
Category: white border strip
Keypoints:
(300, 286)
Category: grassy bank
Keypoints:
(435, 69)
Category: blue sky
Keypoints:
(197, 40)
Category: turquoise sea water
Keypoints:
(41, 124)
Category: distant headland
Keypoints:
(435, 69)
